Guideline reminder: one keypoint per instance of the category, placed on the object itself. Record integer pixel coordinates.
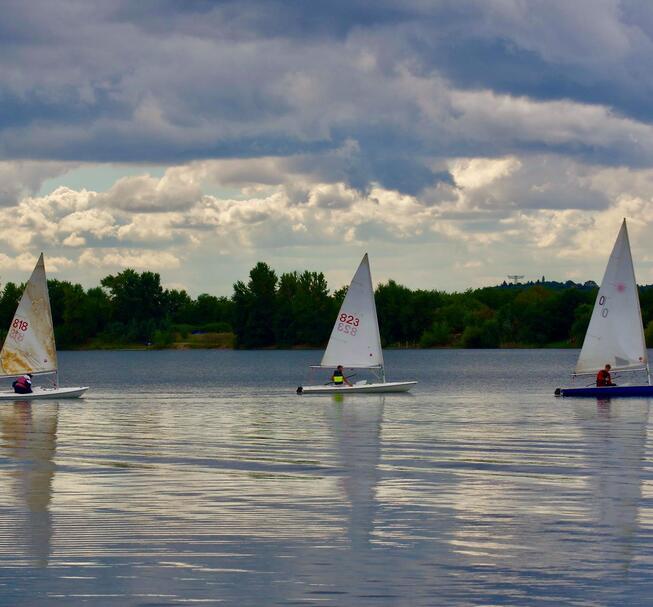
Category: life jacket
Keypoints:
(23, 383)
(337, 378)
(603, 378)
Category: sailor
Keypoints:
(338, 377)
(23, 385)
(603, 377)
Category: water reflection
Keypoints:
(614, 438)
(356, 427)
(28, 442)
(480, 489)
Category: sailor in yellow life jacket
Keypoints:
(338, 377)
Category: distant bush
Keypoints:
(162, 338)
(182, 329)
(438, 335)
(216, 327)
(485, 335)
(648, 334)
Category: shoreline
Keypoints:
(147, 348)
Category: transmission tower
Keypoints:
(515, 278)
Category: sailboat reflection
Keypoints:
(28, 442)
(357, 429)
(615, 443)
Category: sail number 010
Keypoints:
(348, 323)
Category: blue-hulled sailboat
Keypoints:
(615, 334)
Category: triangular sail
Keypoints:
(355, 339)
(29, 346)
(615, 334)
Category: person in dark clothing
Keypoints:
(23, 385)
(338, 377)
(603, 377)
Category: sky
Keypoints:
(456, 142)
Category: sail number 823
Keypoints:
(348, 323)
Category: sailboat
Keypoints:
(615, 334)
(355, 342)
(29, 346)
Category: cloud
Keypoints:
(118, 259)
(497, 216)
(474, 173)
(24, 178)
(144, 193)
(95, 222)
(368, 94)
(437, 135)
(25, 262)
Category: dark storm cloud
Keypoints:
(269, 18)
(169, 82)
(594, 62)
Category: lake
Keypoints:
(200, 477)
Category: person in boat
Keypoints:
(338, 378)
(603, 377)
(23, 385)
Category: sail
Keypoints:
(355, 340)
(615, 334)
(29, 346)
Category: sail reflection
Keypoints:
(615, 442)
(356, 426)
(28, 442)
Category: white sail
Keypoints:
(29, 346)
(355, 339)
(615, 334)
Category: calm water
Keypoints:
(201, 478)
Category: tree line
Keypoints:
(298, 310)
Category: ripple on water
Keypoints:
(478, 489)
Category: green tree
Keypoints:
(178, 306)
(648, 334)
(483, 335)
(531, 310)
(137, 302)
(210, 309)
(11, 295)
(403, 314)
(57, 293)
(77, 325)
(285, 321)
(313, 310)
(438, 335)
(255, 308)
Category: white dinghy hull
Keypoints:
(391, 386)
(355, 341)
(44, 393)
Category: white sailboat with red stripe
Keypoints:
(355, 342)
(30, 347)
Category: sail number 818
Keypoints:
(20, 324)
(18, 328)
(347, 323)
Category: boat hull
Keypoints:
(607, 391)
(44, 393)
(380, 388)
